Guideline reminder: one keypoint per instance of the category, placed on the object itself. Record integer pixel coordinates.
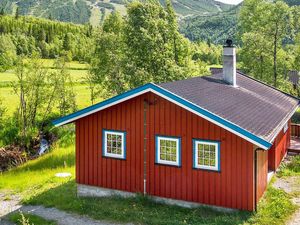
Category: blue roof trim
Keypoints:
(173, 97)
(101, 104)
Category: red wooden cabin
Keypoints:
(204, 140)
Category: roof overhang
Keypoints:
(150, 87)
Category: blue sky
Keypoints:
(234, 2)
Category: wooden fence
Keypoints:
(295, 132)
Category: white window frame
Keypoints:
(123, 144)
(195, 155)
(178, 155)
(286, 127)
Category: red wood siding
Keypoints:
(262, 173)
(279, 148)
(232, 187)
(94, 169)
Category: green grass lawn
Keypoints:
(78, 72)
(49, 63)
(35, 181)
(20, 219)
(11, 101)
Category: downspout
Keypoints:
(145, 145)
(255, 176)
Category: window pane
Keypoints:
(114, 143)
(206, 147)
(201, 154)
(207, 155)
(206, 162)
(201, 161)
(173, 151)
(200, 146)
(168, 150)
(173, 158)
(212, 162)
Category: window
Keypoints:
(286, 127)
(168, 150)
(114, 144)
(206, 155)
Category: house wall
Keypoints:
(262, 173)
(279, 148)
(232, 187)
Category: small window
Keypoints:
(206, 155)
(286, 127)
(168, 150)
(114, 144)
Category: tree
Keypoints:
(17, 13)
(156, 50)
(39, 91)
(107, 66)
(2, 13)
(7, 53)
(264, 28)
(64, 88)
(2, 111)
(145, 46)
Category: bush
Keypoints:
(9, 132)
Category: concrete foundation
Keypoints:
(92, 191)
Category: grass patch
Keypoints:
(18, 218)
(38, 175)
(274, 208)
(290, 169)
(139, 210)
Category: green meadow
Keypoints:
(78, 72)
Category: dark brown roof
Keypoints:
(253, 106)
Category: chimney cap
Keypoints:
(229, 43)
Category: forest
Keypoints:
(49, 68)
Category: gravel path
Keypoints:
(8, 203)
(61, 217)
(11, 203)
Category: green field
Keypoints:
(77, 71)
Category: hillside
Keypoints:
(214, 28)
(94, 11)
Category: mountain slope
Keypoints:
(94, 11)
(214, 28)
(68, 10)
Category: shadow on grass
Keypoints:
(139, 210)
